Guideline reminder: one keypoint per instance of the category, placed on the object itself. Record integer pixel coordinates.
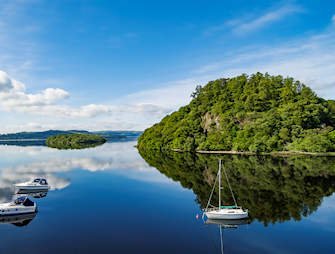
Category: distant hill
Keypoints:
(39, 138)
(119, 136)
(257, 113)
(37, 135)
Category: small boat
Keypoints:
(21, 205)
(231, 212)
(37, 184)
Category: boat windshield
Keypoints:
(43, 182)
(37, 180)
(19, 200)
(28, 202)
(23, 201)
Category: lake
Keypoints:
(113, 199)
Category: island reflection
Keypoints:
(274, 189)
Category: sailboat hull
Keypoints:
(227, 214)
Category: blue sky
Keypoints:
(125, 64)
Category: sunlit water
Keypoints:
(109, 200)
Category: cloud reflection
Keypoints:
(24, 163)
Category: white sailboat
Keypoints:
(233, 212)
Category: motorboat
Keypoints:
(17, 220)
(21, 205)
(37, 184)
(224, 212)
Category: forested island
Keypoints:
(75, 141)
(259, 113)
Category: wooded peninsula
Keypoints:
(259, 113)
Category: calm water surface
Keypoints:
(109, 199)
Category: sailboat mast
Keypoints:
(219, 183)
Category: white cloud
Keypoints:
(168, 96)
(247, 24)
(333, 19)
(7, 84)
(90, 110)
(134, 112)
(265, 19)
(14, 97)
(49, 102)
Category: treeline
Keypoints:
(257, 113)
(75, 141)
(37, 134)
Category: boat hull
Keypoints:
(16, 210)
(227, 214)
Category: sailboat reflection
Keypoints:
(226, 224)
(18, 220)
(34, 194)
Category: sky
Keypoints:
(124, 65)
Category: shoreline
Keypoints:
(22, 140)
(277, 153)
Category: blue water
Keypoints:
(109, 200)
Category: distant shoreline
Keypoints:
(279, 153)
(22, 139)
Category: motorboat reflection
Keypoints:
(32, 193)
(18, 220)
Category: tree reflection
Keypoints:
(274, 189)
